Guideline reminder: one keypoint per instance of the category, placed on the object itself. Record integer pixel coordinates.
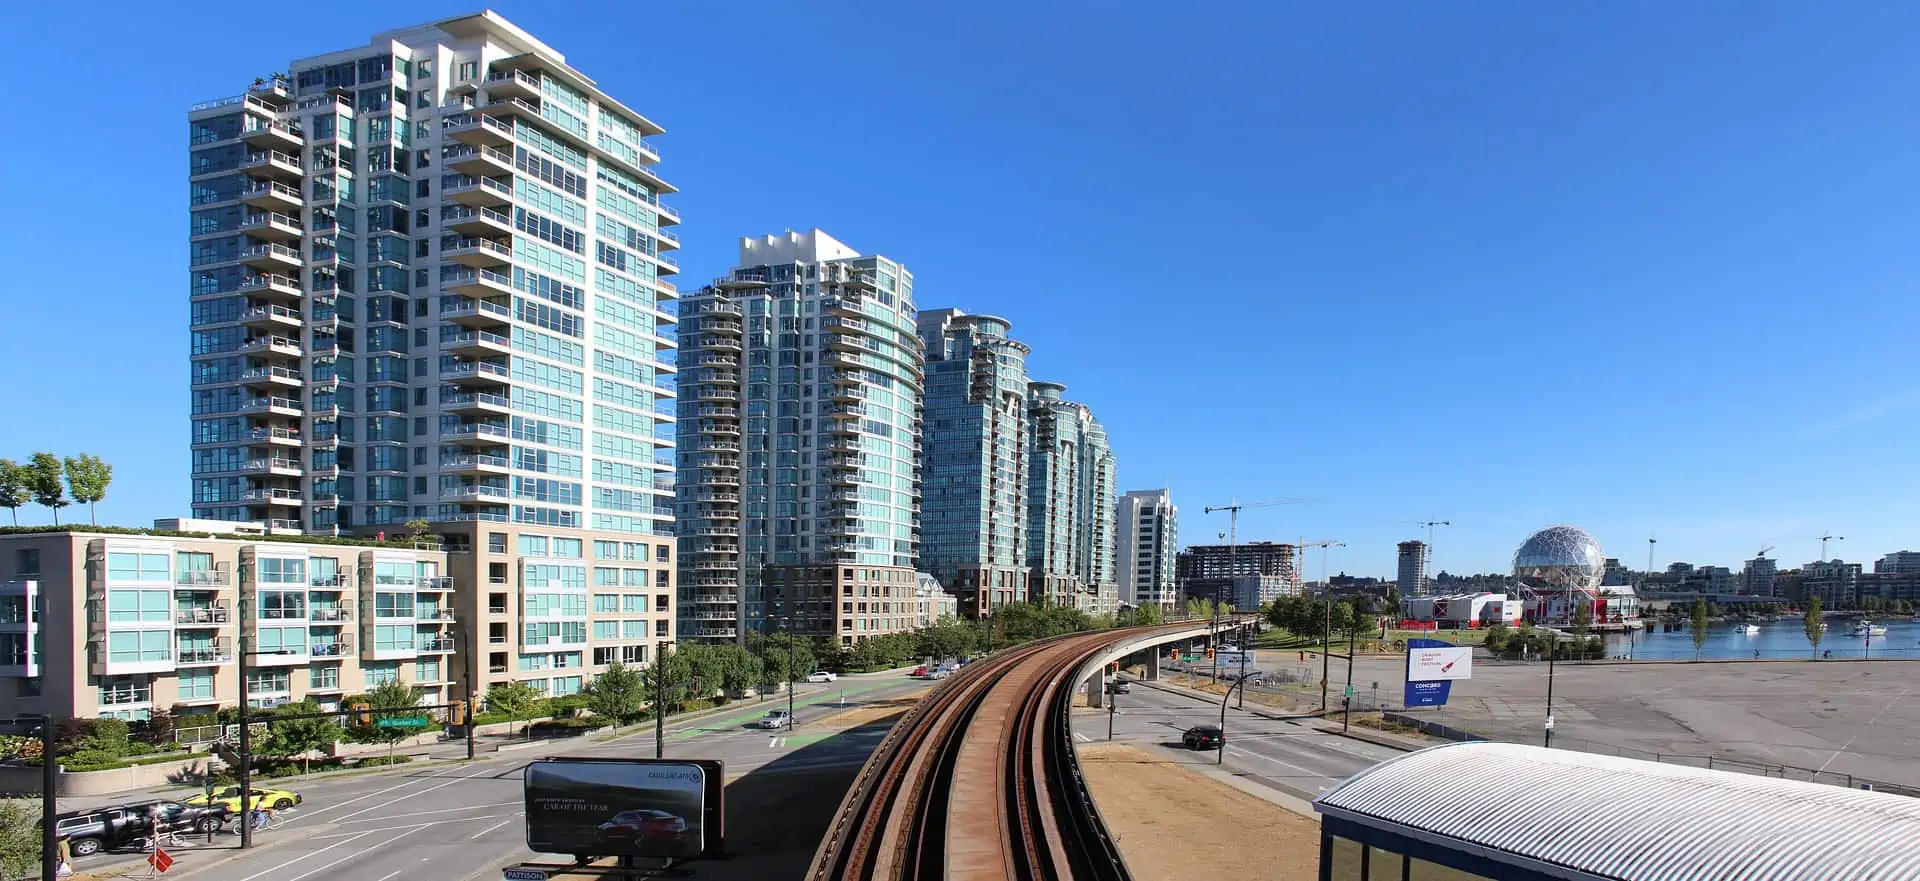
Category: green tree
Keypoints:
(418, 527)
(1143, 615)
(87, 480)
(943, 640)
(16, 488)
(19, 839)
(517, 700)
(389, 699)
(1582, 620)
(737, 669)
(1699, 625)
(44, 475)
(288, 738)
(668, 676)
(1815, 626)
(782, 652)
(617, 694)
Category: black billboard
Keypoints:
(624, 807)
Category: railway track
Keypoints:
(979, 782)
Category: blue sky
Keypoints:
(1647, 268)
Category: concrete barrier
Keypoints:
(25, 779)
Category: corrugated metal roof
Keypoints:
(1638, 821)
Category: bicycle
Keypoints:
(265, 818)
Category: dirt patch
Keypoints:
(872, 712)
(1176, 824)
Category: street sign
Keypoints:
(1349, 691)
(160, 860)
(526, 875)
(401, 722)
(1549, 723)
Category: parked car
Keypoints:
(1204, 737)
(777, 719)
(919, 672)
(643, 826)
(123, 826)
(1119, 686)
(821, 676)
(229, 798)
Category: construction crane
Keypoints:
(1233, 509)
(1763, 552)
(1823, 544)
(1427, 564)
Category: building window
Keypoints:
(496, 542)
(27, 561)
(269, 682)
(139, 647)
(326, 676)
(469, 70)
(137, 567)
(120, 690)
(382, 673)
(196, 684)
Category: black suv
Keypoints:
(1204, 737)
(122, 826)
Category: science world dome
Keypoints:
(1560, 558)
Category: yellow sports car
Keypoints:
(229, 798)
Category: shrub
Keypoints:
(377, 761)
(140, 748)
(568, 727)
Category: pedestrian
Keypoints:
(63, 862)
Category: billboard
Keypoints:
(623, 807)
(1432, 667)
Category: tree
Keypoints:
(668, 676)
(617, 694)
(1582, 619)
(1143, 615)
(15, 487)
(44, 475)
(87, 480)
(418, 527)
(288, 738)
(389, 699)
(737, 668)
(158, 729)
(517, 700)
(19, 839)
(1699, 625)
(1816, 628)
(782, 652)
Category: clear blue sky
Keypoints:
(1648, 268)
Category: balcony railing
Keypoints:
(211, 615)
(330, 649)
(332, 613)
(203, 577)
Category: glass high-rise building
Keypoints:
(1070, 503)
(1147, 527)
(799, 431)
(429, 281)
(973, 534)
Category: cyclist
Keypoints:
(262, 817)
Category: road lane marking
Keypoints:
(420, 793)
(390, 877)
(478, 834)
(498, 804)
(319, 811)
(303, 856)
(1082, 737)
(355, 854)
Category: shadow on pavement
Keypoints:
(777, 813)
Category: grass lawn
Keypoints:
(1458, 637)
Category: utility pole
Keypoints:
(49, 768)
(1326, 636)
(660, 699)
(246, 744)
(1553, 648)
(1346, 700)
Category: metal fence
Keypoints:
(1718, 763)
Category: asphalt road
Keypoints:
(460, 821)
(1293, 757)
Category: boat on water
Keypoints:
(1868, 628)
(1750, 629)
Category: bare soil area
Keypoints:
(1175, 824)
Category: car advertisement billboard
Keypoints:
(1432, 667)
(622, 807)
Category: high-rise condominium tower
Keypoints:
(428, 282)
(799, 429)
(1148, 527)
(1413, 568)
(1070, 504)
(974, 529)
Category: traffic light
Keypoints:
(1209, 654)
(457, 714)
(362, 715)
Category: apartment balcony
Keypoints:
(503, 107)
(441, 646)
(476, 313)
(476, 160)
(475, 221)
(721, 323)
(714, 307)
(710, 342)
(477, 404)
(476, 463)
(843, 445)
(271, 225)
(478, 129)
(272, 196)
(191, 655)
(716, 360)
(475, 493)
(203, 579)
(272, 258)
(708, 392)
(270, 286)
(271, 318)
(340, 647)
(339, 581)
(330, 615)
(275, 406)
(434, 584)
(476, 373)
(273, 165)
(846, 305)
(272, 378)
(477, 434)
(713, 496)
(437, 614)
(729, 480)
(513, 84)
(479, 192)
(205, 616)
(726, 428)
(479, 283)
(718, 411)
(477, 344)
(270, 135)
(478, 253)
(284, 346)
(714, 445)
(287, 497)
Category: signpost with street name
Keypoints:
(401, 722)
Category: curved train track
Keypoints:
(979, 781)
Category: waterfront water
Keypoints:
(1786, 638)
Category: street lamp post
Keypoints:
(49, 769)
(660, 700)
(1221, 758)
(1346, 700)
(466, 670)
(246, 740)
(1553, 648)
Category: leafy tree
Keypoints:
(943, 640)
(1815, 626)
(1143, 615)
(44, 475)
(782, 652)
(15, 487)
(87, 480)
(1699, 625)
(158, 728)
(1582, 619)
(389, 699)
(617, 694)
(737, 669)
(1360, 619)
(670, 674)
(517, 700)
(288, 738)
(19, 839)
